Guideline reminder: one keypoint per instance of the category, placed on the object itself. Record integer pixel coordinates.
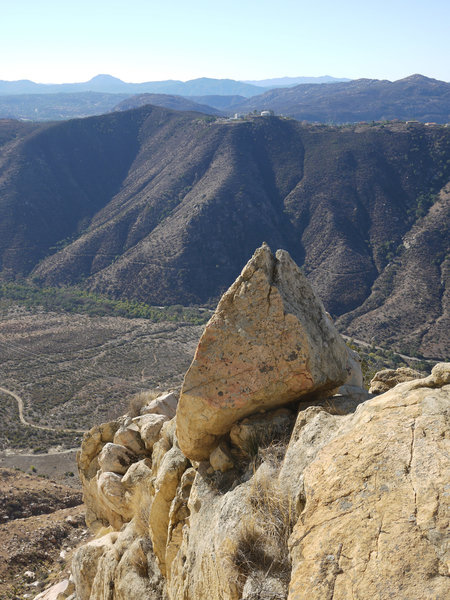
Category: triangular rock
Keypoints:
(268, 343)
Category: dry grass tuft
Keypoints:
(263, 537)
(139, 400)
(334, 408)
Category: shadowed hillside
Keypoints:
(163, 207)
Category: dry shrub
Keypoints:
(267, 444)
(139, 400)
(142, 519)
(334, 408)
(263, 537)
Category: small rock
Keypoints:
(166, 404)
(115, 458)
(150, 427)
(221, 459)
(130, 437)
(30, 575)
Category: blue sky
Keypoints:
(138, 40)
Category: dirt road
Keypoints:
(22, 419)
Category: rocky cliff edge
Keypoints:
(303, 490)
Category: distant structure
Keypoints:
(238, 116)
(267, 113)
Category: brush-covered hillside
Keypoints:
(414, 97)
(164, 207)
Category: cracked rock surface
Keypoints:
(268, 343)
(376, 519)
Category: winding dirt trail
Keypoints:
(22, 419)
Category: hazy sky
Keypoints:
(147, 40)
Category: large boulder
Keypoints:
(375, 522)
(269, 342)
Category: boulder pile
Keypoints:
(250, 484)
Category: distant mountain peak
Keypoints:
(104, 78)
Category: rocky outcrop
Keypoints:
(268, 343)
(375, 522)
(296, 501)
(385, 380)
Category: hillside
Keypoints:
(415, 97)
(164, 206)
(56, 107)
(166, 101)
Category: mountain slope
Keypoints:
(56, 107)
(164, 206)
(290, 81)
(167, 101)
(415, 97)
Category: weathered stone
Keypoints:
(115, 458)
(440, 374)
(112, 500)
(54, 591)
(169, 475)
(130, 437)
(85, 563)
(313, 429)
(385, 380)
(166, 404)
(375, 523)
(221, 459)
(150, 427)
(178, 518)
(93, 442)
(268, 343)
(119, 565)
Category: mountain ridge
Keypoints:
(109, 84)
(159, 205)
(414, 97)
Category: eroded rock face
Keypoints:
(268, 343)
(375, 524)
(335, 496)
(365, 492)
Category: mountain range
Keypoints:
(166, 206)
(107, 84)
(415, 97)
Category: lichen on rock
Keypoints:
(268, 343)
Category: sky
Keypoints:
(55, 41)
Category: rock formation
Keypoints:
(268, 343)
(289, 500)
(386, 379)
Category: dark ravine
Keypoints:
(164, 207)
